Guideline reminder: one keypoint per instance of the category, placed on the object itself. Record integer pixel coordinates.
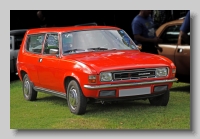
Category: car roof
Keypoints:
(67, 29)
(17, 31)
(174, 22)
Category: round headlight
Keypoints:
(106, 76)
(160, 72)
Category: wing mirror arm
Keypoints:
(139, 46)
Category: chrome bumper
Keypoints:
(129, 84)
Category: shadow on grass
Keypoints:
(99, 107)
(53, 99)
(117, 106)
(181, 88)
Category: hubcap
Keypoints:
(26, 88)
(73, 98)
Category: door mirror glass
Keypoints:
(53, 51)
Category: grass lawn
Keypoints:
(50, 112)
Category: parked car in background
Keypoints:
(180, 55)
(16, 37)
(91, 64)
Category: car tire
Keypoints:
(161, 100)
(76, 101)
(28, 92)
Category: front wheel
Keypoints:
(77, 102)
(161, 100)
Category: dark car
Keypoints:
(16, 37)
(179, 54)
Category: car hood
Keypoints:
(119, 60)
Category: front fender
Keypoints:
(78, 71)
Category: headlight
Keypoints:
(161, 72)
(105, 76)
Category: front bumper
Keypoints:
(129, 84)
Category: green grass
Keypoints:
(50, 112)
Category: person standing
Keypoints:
(144, 32)
(160, 17)
(44, 21)
(184, 30)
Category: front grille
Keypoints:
(134, 74)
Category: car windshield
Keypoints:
(96, 40)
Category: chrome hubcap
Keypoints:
(26, 88)
(73, 98)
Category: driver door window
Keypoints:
(51, 43)
(170, 35)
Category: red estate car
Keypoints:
(87, 63)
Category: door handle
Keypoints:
(180, 50)
(40, 59)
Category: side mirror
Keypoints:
(139, 46)
(53, 51)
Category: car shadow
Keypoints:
(185, 79)
(13, 77)
(53, 99)
(97, 106)
(185, 88)
(107, 107)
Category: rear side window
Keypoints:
(34, 43)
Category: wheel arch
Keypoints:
(67, 80)
(22, 74)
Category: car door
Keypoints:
(182, 58)
(33, 50)
(180, 55)
(49, 64)
(169, 41)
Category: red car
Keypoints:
(91, 64)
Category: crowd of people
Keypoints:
(143, 26)
(143, 29)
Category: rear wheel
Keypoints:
(161, 100)
(29, 93)
(77, 102)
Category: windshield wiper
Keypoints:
(73, 50)
(98, 48)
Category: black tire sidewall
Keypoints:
(161, 100)
(81, 106)
(32, 93)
